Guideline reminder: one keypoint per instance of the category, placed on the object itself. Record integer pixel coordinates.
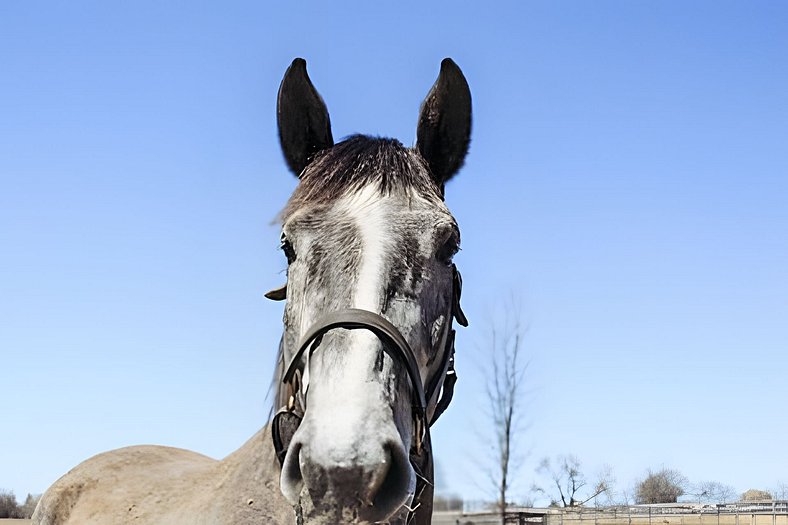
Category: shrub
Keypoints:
(756, 495)
(664, 486)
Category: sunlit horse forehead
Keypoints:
(371, 207)
(361, 162)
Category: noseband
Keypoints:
(296, 377)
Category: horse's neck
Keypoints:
(257, 450)
(254, 466)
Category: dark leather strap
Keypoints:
(352, 319)
(443, 381)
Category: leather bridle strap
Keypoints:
(393, 343)
(443, 381)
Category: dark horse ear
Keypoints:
(444, 130)
(304, 126)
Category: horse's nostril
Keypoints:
(292, 480)
(389, 487)
(379, 477)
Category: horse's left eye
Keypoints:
(447, 250)
(287, 247)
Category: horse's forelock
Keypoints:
(356, 163)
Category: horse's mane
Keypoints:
(358, 161)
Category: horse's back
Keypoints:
(135, 484)
(147, 485)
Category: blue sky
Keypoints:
(627, 183)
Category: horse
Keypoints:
(366, 359)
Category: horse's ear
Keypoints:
(304, 126)
(444, 130)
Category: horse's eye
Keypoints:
(447, 250)
(287, 248)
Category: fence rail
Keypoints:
(755, 513)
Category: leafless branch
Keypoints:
(505, 391)
(570, 482)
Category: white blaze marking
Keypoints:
(367, 210)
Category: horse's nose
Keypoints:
(372, 478)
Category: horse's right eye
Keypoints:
(287, 247)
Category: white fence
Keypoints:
(744, 513)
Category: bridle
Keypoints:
(430, 400)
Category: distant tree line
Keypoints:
(10, 508)
(570, 488)
(563, 479)
(668, 485)
(566, 483)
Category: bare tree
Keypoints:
(712, 492)
(569, 485)
(780, 492)
(27, 508)
(8, 505)
(626, 497)
(663, 486)
(505, 392)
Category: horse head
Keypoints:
(371, 294)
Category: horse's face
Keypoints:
(388, 254)
(366, 228)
